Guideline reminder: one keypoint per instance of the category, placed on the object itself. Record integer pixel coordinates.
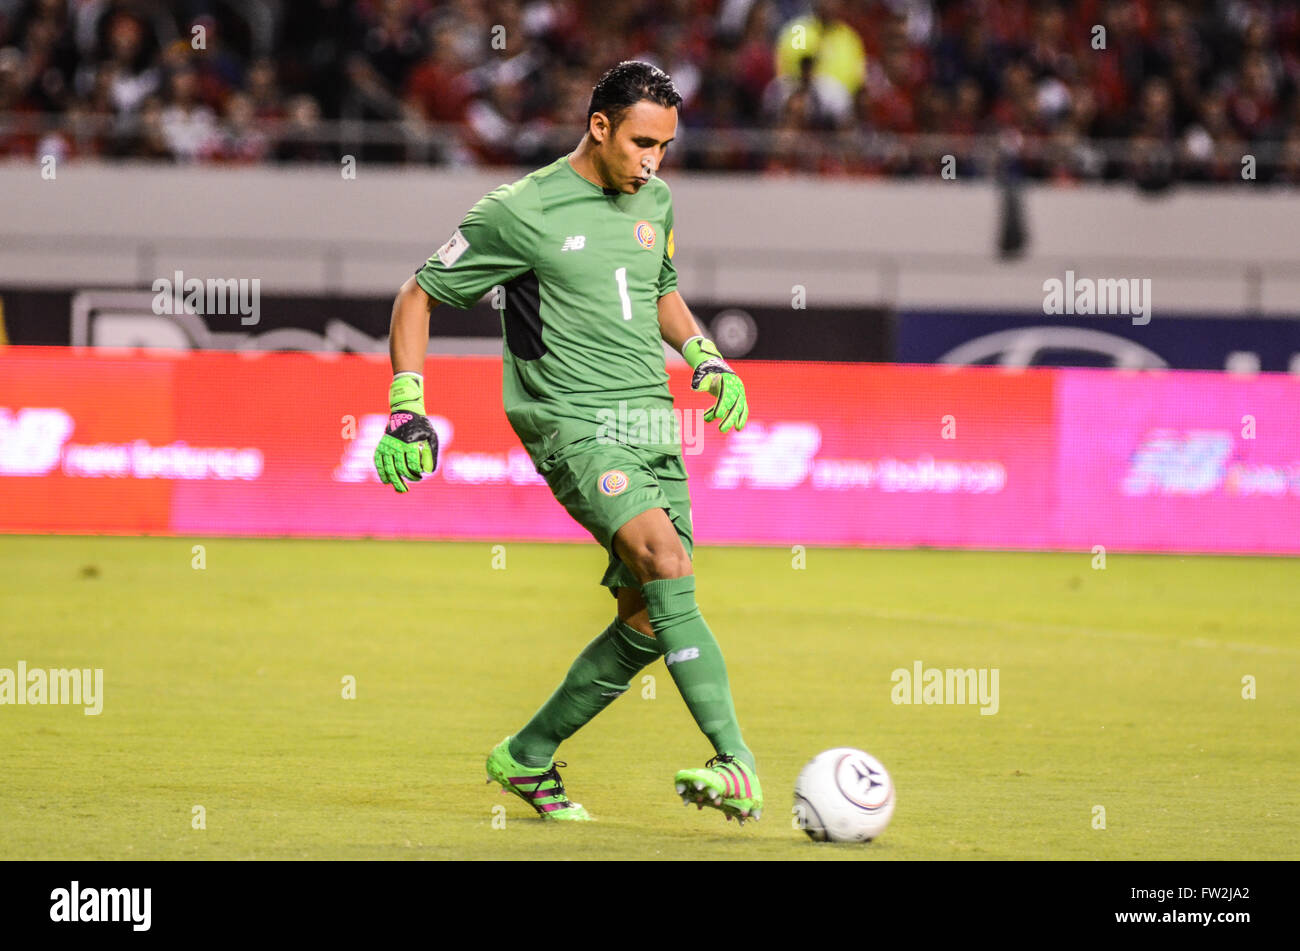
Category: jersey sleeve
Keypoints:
(491, 246)
(667, 272)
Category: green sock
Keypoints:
(695, 662)
(602, 672)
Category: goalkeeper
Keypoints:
(584, 250)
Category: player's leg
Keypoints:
(524, 763)
(600, 674)
(649, 545)
(605, 667)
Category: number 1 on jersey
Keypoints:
(620, 278)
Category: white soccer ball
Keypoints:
(843, 795)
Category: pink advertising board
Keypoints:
(1178, 461)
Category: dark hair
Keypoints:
(626, 84)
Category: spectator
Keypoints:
(755, 67)
(1253, 103)
(189, 127)
(134, 76)
(814, 101)
(391, 43)
(302, 139)
(15, 138)
(836, 48)
(149, 139)
(263, 90)
(240, 141)
(1212, 147)
(438, 89)
(219, 69)
(1289, 166)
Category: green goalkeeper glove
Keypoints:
(409, 446)
(712, 374)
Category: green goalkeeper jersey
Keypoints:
(581, 271)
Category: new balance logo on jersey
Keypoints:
(574, 242)
(686, 653)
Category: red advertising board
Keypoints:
(834, 454)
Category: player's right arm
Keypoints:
(408, 331)
(493, 245)
(409, 446)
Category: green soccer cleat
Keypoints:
(729, 786)
(540, 788)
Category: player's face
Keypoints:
(634, 150)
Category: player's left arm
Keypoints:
(709, 372)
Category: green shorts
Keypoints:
(604, 485)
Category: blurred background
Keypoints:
(1149, 91)
(856, 182)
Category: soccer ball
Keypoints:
(843, 795)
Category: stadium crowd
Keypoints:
(1148, 90)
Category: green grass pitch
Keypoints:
(223, 688)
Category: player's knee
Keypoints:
(656, 565)
(651, 548)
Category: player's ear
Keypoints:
(599, 126)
